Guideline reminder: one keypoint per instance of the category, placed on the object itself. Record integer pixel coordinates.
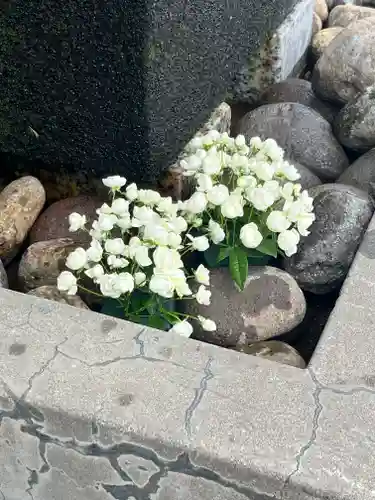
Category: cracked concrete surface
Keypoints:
(99, 409)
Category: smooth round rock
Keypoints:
(299, 91)
(343, 15)
(54, 222)
(322, 40)
(52, 293)
(274, 350)
(361, 174)
(20, 204)
(43, 261)
(346, 67)
(354, 126)
(331, 4)
(3, 276)
(317, 24)
(307, 179)
(271, 304)
(324, 257)
(298, 130)
(321, 9)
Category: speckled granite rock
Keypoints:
(324, 257)
(299, 91)
(271, 304)
(53, 223)
(361, 174)
(343, 15)
(43, 261)
(274, 350)
(322, 39)
(50, 292)
(354, 126)
(307, 179)
(20, 204)
(298, 130)
(347, 65)
(3, 276)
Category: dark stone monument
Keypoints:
(120, 85)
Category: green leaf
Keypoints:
(238, 266)
(223, 254)
(268, 247)
(157, 321)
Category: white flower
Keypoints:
(211, 164)
(204, 182)
(156, 234)
(165, 281)
(195, 143)
(131, 192)
(277, 222)
(197, 203)
(256, 142)
(203, 296)
(232, 207)
(261, 198)
(161, 285)
(288, 241)
(77, 222)
(139, 278)
(271, 149)
(216, 232)
(199, 243)
(115, 182)
(285, 169)
(247, 181)
(218, 194)
(107, 284)
(250, 235)
(95, 232)
(124, 223)
(263, 170)
(77, 259)
(213, 135)
(202, 275)
(124, 283)
(95, 272)
(167, 206)
(287, 191)
(104, 209)
(177, 224)
(174, 240)
(190, 165)
(304, 221)
(139, 252)
(117, 262)
(120, 207)
(106, 222)
(115, 246)
(142, 216)
(95, 252)
(148, 196)
(273, 187)
(240, 141)
(183, 328)
(167, 258)
(67, 283)
(207, 324)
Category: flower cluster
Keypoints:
(137, 244)
(246, 197)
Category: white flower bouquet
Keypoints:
(135, 258)
(246, 200)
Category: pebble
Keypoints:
(346, 67)
(343, 15)
(299, 91)
(298, 130)
(274, 350)
(52, 293)
(354, 126)
(271, 304)
(361, 174)
(53, 223)
(324, 257)
(20, 204)
(43, 261)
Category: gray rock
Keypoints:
(3, 276)
(321, 41)
(308, 179)
(271, 304)
(305, 136)
(354, 126)
(321, 9)
(347, 65)
(317, 24)
(361, 174)
(324, 257)
(299, 91)
(343, 15)
(331, 4)
(52, 293)
(275, 350)
(43, 261)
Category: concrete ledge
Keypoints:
(97, 408)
